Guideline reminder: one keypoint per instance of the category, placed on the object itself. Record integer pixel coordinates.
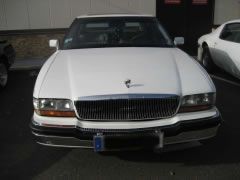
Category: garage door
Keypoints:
(188, 18)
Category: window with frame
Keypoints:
(116, 32)
(231, 32)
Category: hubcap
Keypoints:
(3, 75)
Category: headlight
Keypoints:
(54, 107)
(198, 102)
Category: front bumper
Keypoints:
(182, 132)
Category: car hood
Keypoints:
(103, 71)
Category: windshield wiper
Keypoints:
(113, 45)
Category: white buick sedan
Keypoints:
(222, 48)
(119, 82)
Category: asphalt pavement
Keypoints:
(22, 158)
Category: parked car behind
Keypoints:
(222, 48)
(119, 82)
(7, 57)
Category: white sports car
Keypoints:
(222, 48)
(119, 82)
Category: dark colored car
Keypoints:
(7, 57)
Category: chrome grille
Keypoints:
(127, 107)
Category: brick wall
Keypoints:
(31, 45)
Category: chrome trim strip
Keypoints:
(72, 142)
(60, 141)
(53, 125)
(126, 96)
(129, 96)
(190, 136)
(64, 146)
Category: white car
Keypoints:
(222, 48)
(119, 82)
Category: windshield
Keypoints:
(116, 32)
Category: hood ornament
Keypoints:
(128, 83)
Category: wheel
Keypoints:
(207, 60)
(3, 75)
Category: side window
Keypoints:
(231, 32)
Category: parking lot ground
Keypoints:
(22, 158)
(226, 77)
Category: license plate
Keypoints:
(118, 142)
(99, 143)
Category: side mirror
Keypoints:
(54, 43)
(179, 41)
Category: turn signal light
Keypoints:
(186, 109)
(56, 113)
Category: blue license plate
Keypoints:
(107, 142)
(98, 143)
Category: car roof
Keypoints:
(233, 21)
(114, 15)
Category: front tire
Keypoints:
(207, 60)
(3, 75)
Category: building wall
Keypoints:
(226, 10)
(32, 45)
(31, 15)
(47, 14)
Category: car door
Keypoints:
(226, 50)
